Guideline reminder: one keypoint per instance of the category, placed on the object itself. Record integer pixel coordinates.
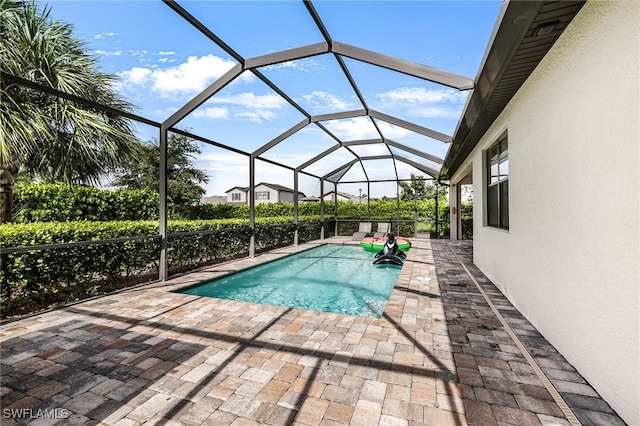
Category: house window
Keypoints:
(235, 196)
(262, 195)
(498, 184)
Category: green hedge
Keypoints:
(58, 202)
(59, 213)
(34, 279)
(222, 211)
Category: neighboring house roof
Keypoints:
(213, 199)
(270, 185)
(344, 194)
(525, 34)
(278, 187)
(241, 188)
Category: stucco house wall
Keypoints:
(274, 194)
(570, 261)
(330, 196)
(237, 190)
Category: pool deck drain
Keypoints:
(438, 356)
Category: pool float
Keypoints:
(377, 244)
(390, 253)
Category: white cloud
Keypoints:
(435, 112)
(422, 102)
(135, 75)
(288, 159)
(393, 132)
(104, 35)
(225, 162)
(185, 79)
(164, 113)
(302, 65)
(109, 53)
(353, 129)
(257, 116)
(255, 108)
(328, 100)
(422, 95)
(370, 149)
(192, 76)
(213, 113)
(249, 99)
(361, 128)
(138, 52)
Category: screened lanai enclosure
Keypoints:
(371, 157)
(328, 113)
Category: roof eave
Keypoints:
(512, 38)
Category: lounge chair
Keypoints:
(364, 230)
(383, 229)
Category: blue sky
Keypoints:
(162, 63)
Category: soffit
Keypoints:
(517, 48)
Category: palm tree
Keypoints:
(44, 135)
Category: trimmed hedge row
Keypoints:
(34, 279)
(59, 202)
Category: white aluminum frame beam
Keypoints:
(318, 157)
(282, 136)
(414, 151)
(363, 142)
(204, 96)
(376, 157)
(337, 171)
(339, 115)
(431, 172)
(403, 66)
(411, 126)
(287, 55)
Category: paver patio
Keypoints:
(438, 356)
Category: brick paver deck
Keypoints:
(438, 356)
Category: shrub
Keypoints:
(58, 202)
(215, 211)
(223, 211)
(38, 278)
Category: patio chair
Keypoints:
(364, 230)
(383, 229)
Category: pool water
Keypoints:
(329, 278)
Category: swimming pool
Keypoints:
(329, 278)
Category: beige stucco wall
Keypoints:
(570, 261)
(273, 194)
(243, 197)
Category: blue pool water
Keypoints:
(329, 278)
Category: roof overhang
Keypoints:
(523, 35)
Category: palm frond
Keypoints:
(57, 138)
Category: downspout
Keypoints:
(322, 209)
(368, 199)
(415, 213)
(162, 272)
(335, 198)
(437, 190)
(252, 206)
(295, 208)
(398, 207)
